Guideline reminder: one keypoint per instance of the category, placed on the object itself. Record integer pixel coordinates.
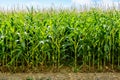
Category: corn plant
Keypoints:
(87, 39)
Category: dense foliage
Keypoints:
(60, 38)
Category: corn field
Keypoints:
(87, 39)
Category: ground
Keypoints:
(60, 76)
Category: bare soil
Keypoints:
(60, 76)
(65, 73)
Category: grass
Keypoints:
(81, 40)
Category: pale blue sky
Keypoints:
(54, 3)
